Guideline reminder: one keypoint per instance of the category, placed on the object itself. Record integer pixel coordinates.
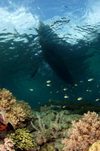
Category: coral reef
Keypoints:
(22, 139)
(50, 126)
(15, 112)
(84, 133)
(44, 128)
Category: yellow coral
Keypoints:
(25, 107)
(17, 116)
(95, 146)
(6, 100)
(23, 139)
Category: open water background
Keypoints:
(77, 22)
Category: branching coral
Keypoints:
(22, 139)
(51, 125)
(84, 133)
(26, 108)
(16, 117)
(42, 133)
(6, 100)
(15, 112)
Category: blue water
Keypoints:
(74, 34)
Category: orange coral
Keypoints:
(84, 133)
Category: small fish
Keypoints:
(75, 85)
(66, 96)
(91, 79)
(31, 89)
(64, 89)
(48, 85)
(64, 107)
(89, 90)
(80, 98)
(48, 81)
(57, 91)
(81, 81)
(97, 99)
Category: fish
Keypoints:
(97, 99)
(64, 89)
(31, 89)
(51, 51)
(91, 79)
(76, 85)
(48, 85)
(48, 81)
(80, 98)
(66, 96)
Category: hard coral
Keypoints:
(23, 140)
(15, 112)
(95, 146)
(84, 133)
(6, 100)
(16, 117)
(26, 108)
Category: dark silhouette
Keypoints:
(53, 51)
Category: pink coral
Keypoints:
(8, 145)
(84, 133)
(2, 148)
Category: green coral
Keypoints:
(22, 139)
